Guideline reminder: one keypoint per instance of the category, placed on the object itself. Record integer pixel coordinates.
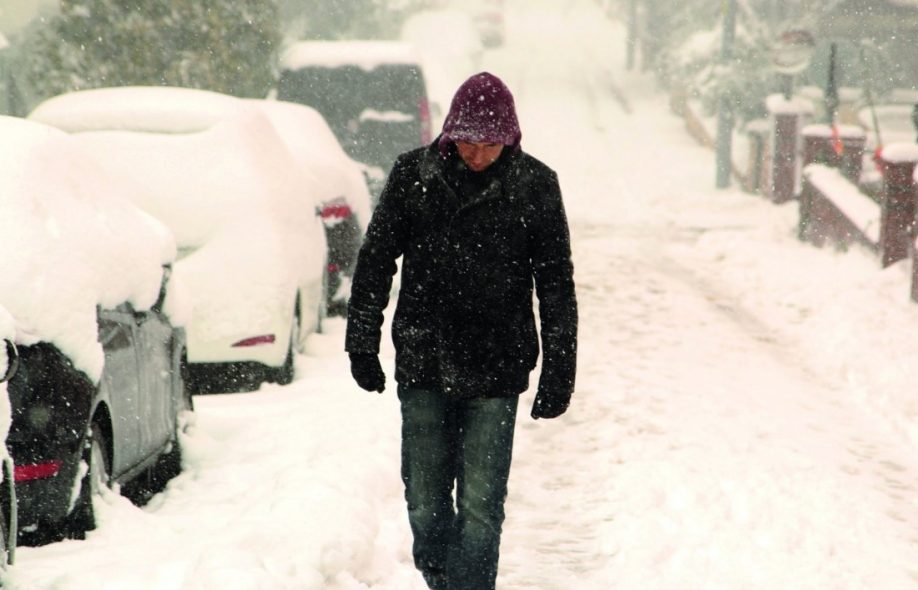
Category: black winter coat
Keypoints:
(464, 322)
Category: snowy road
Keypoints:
(703, 450)
(738, 421)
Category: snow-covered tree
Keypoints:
(683, 41)
(688, 54)
(223, 45)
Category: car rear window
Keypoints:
(356, 102)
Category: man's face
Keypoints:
(478, 156)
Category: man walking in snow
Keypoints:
(477, 222)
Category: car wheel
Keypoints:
(8, 523)
(97, 478)
(284, 375)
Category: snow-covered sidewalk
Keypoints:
(744, 416)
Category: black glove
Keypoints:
(367, 372)
(550, 404)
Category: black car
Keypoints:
(372, 93)
(69, 436)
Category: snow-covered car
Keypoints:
(372, 93)
(336, 182)
(252, 248)
(97, 396)
(345, 203)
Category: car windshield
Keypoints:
(333, 91)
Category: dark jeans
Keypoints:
(469, 442)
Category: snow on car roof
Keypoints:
(70, 242)
(173, 110)
(158, 109)
(198, 182)
(368, 55)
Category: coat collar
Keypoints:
(432, 164)
(432, 170)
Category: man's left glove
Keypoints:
(550, 404)
(367, 371)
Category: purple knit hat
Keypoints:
(482, 111)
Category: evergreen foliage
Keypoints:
(228, 46)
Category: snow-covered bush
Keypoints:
(744, 80)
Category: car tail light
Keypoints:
(255, 341)
(23, 473)
(335, 210)
(424, 114)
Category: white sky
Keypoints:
(745, 413)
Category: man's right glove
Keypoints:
(367, 372)
(550, 405)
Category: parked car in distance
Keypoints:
(372, 93)
(488, 16)
(252, 248)
(490, 26)
(97, 397)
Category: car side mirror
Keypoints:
(12, 361)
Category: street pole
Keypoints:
(724, 108)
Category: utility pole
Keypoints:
(724, 108)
